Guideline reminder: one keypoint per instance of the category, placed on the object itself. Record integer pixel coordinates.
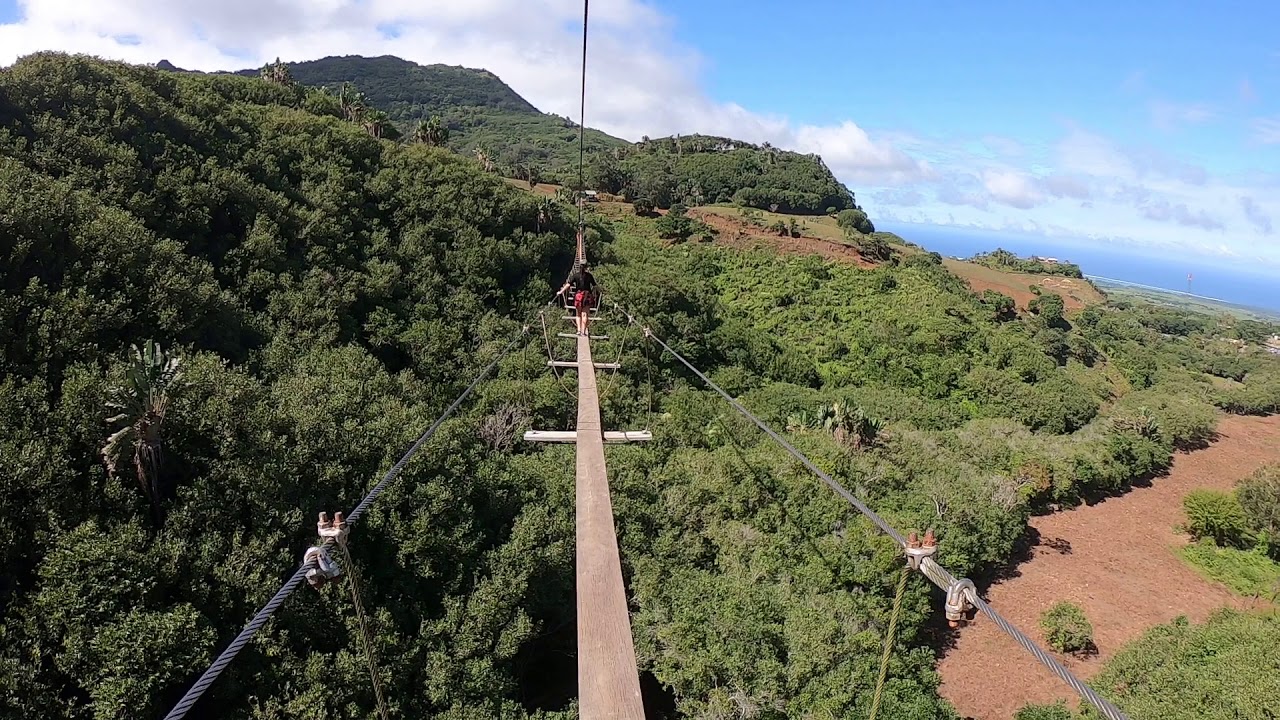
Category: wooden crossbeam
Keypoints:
(574, 335)
(611, 437)
(574, 364)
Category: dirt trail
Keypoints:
(1116, 559)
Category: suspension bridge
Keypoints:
(608, 678)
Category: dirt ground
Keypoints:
(1076, 294)
(734, 233)
(1115, 559)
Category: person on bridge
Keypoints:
(584, 295)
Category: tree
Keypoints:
(277, 73)
(873, 247)
(1002, 306)
(432, 132)
(351, 101)
(530, 172)
(141, 403)
(1259, 496)
(855, 219)
(1050, 308)
(546, 207)
(377, 124)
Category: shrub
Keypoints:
(1066, 629)
(1056, 711)
(1221, 670)
(1215, 514)
(1259, 499)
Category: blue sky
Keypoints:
(1152, 125)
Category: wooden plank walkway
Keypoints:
(608, 682)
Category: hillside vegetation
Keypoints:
(1002, 259)
(487, 119)
(327, 291)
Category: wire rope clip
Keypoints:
(325, 568)
(336, 528)
(917, 550)
(958, 607)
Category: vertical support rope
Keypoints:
(582, 141)
(888, 640)
(366, 639)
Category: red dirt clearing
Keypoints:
(744, 236)
(1115, 559)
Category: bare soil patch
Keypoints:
(738, 234)
(1117, 560)
(1076, 294)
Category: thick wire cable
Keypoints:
(366, 638)
(546, 336)
(202, 684)
(888, 641)
(582, 131)
(941, 577)
(931, 569)
(831, 482)
(612, 380)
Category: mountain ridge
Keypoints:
(488, 119)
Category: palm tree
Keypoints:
(141, 403)
(376, 123)
(351, 101)
(545, 207)
(432, 132)
(277, 73)
(530, 173)
(484, 159)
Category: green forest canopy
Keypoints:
(329, 292)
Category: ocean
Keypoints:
(1210, 278)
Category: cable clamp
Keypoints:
(917, 550)
(325, 569)
(336, 528)
(958, 607)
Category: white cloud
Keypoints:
(1169, 116)
(1267, 130)
(1012, 188)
